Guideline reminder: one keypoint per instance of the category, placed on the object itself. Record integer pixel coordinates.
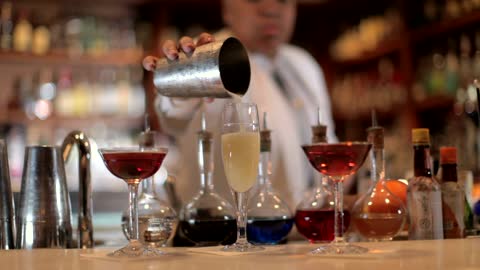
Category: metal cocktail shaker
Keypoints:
(43, 216)
(7, 223)
(218, 69)
(44, 208)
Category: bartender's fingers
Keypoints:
(186, 44)
(150, 63)
(205, 38)
(169, 48)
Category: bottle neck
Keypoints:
(421, 160)
(264, 169)
(377, 158)
(449, 172)
(148, 187)
(205, 164)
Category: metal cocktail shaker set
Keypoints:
(42, 218)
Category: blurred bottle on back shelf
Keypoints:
(22, 33)
(6, 26)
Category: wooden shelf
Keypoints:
(436, 102)
(413, 36)
(384, 49)
(116, 121)
(445, 26)
(115, 59)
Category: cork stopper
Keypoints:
(375, 136)
(448, 155)
(146, 139)
(204, 136)
(375, 133)
(420, 136)
(265, 138)
(319, 131)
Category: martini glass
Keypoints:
(337, 161)
(133, 164)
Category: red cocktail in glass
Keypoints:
(337, 161)
(133, 165)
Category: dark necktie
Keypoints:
(280, 83)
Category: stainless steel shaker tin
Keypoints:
(44, 208)
(7, 222)
(218, 69)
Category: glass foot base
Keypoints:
(242, 247)
(134, 250)
(339, 249)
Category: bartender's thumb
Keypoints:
(150, 63)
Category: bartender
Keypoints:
(286, 82)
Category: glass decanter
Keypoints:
(378, 214)
(207, 219)
(156, 219)
(314, 215)
(269, 217)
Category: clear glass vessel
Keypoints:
(208, 219)
(269, 217)
(378, 214)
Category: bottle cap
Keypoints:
(448, 155)
(420, 136)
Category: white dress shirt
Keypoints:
(290, 117)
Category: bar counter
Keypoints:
(411, 255)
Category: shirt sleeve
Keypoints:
(175, 113)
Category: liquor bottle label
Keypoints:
(425, 210)
(453, 211)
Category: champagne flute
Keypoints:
(133, 165)
(337, 161)
(240, 155)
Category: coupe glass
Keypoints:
(337, 161)
(133, 165)
(240, 154)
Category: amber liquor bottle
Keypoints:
(424, 196)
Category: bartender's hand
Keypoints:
(171, 49)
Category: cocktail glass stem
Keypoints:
(241, 200)
(338, 225)
(132, 205)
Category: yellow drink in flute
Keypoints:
(240, 153)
